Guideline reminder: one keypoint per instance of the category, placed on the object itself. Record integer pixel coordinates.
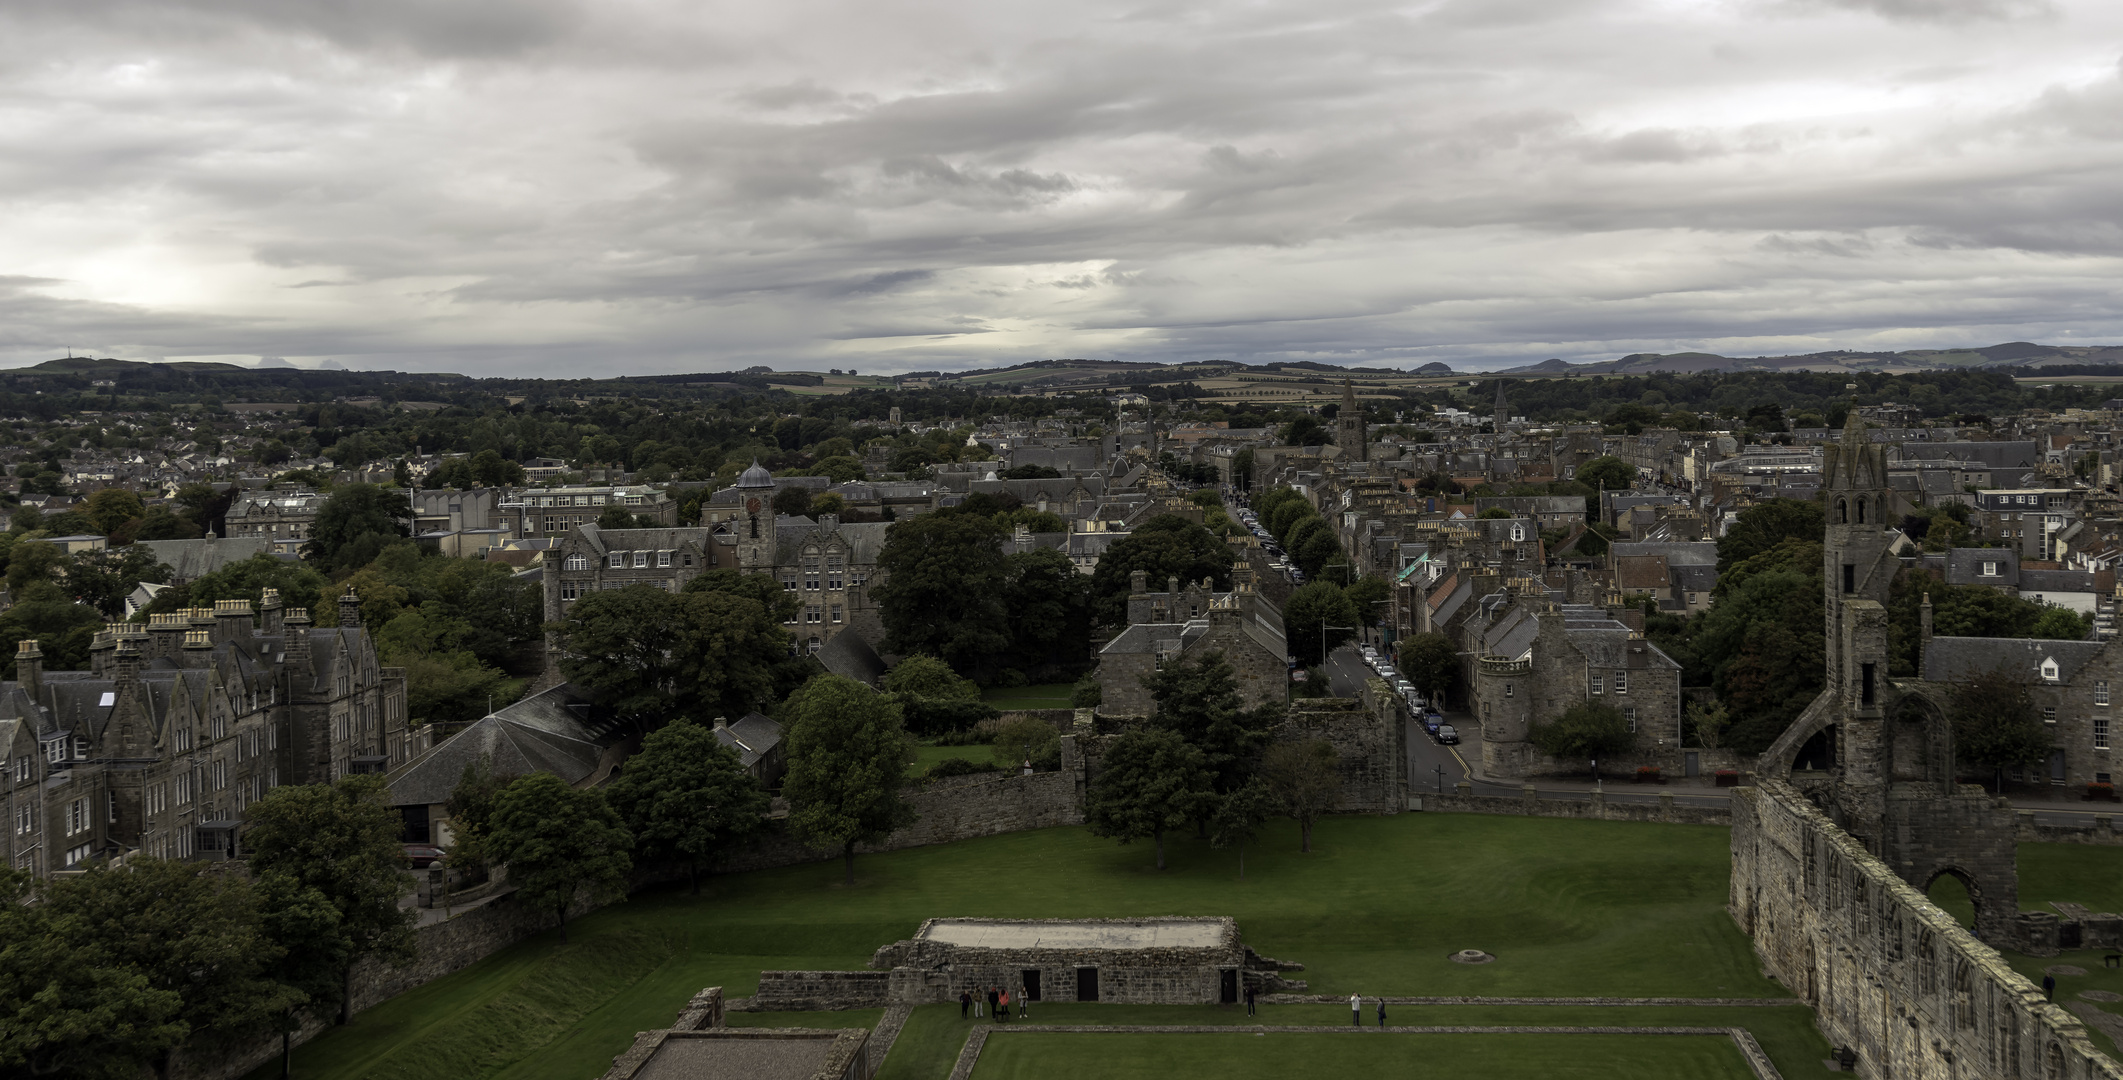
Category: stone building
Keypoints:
(590, 559)
(282, 517)
(559, 511)
(181, 723)
(1147, 961)
(1542, 657)
(830, 566)
(1349, 427)
(1187, 623)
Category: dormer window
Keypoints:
(1990, 569)
(618, 561)
(641, 560)
(1518, 532)
(578, 562)
(2049, 670)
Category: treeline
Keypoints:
(1820, 395)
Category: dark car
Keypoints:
(423, 856)
(1433, 722)
(1447, 735)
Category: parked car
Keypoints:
(1447, 735)
(1370, 653)
(423, 856)
(1431, 723)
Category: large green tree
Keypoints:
(1762, 647)
(1763, 526)
(341, 839)
(1305, 779)
(561, 844)
(1967, 611)
(687, 798)
(1164, 547)
(654, 654)
(354, 523)
(1149, 781)
(299, 584)
(847, 762)
(1049, 605)
(1432, 662)
(70, 1011)
(1605, 474)
(945, 590)
(1587, 731)
(1995, 725)
(1316, 617)
(1199, 699)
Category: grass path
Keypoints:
(1568, 907)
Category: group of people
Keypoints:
(1356, 1010)
(996, 1001)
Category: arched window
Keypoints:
(1861, 511)
(1842, 512)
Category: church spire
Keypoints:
(1503, 411)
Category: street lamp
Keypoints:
(1323, 639)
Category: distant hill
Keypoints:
(83, 365)
(2012, 354)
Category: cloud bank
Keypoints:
(554, 187)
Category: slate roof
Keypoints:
(1677, 553)
(753, 736)
(846, 654)
(545, 732)
(1964, 566)
(191, 559)
(1960, 659)
(2052, 581)
(1642, 572)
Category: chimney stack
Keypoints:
(298, 648)
(165, 633)
(350, 609)
(232, 620)
(198, 648)
(269, 613)
(29, 668)
(99, 651)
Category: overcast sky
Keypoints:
(551, 187)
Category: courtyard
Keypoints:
(1570, 909)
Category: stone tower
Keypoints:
(755, 541)
(1503, 411)
(1349, 426)
(1876, 754)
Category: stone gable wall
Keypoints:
(1887, 972)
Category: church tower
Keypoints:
(1503, 411)
(756, 533)
(1858, 564)
(1349, 427)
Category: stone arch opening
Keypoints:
(1861, 511)
(1968, 884)
(1919, 742)
(1842, 511)
(1817, 754)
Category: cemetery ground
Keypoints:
(1569, 908)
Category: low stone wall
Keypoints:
(958, 808)
(812, 991)
(1060, 719)
(1595, 808)
(2101, 830)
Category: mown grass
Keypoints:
(1043, 696)
(1568, 907)
(1052, 1056)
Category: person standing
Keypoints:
(965, 1003)
(2049, 988)
(1024, 1004)
(1356, 1010)
(992, 995)
(1382, 1012)
(1249, 1001)
(1004, 1015)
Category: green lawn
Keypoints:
(1044, 696)
(1568, 907)
(1055, 1056)
(926, 757)
(2079, 873)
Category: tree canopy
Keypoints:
(945, 590)
(847, 761)
(562, 844)
(687, 798)
(1148, 782)
(1166, 546)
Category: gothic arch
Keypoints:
(1968, 881)
(1861, 510)
(1842, 511)
(1919, 742)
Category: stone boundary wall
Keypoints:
(813, 991)
(1593, 808)
(442, 948)
(958, 808)
(1889, 975)
(2101, 831)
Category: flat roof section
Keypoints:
(1077, 934)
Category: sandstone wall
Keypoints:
(1595, 808)
(1888, 973)
(959, 808)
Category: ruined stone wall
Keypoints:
(1370, 735)
(818, 990)
(1888, 973)
(1595, 808)
(958, 808)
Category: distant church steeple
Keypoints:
(1503, 411)
(1349, 426)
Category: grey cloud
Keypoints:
(1948, 11)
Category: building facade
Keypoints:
(180, 724)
